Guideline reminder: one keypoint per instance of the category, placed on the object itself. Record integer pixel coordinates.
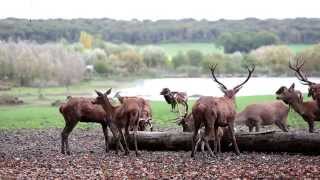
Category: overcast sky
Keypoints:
(159, 9)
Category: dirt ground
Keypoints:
(36, 154)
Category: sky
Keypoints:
(159, 9)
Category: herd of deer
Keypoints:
(216, 114)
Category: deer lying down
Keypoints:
(146, 112)
(187, 123)
(79, 109)
(262, 114)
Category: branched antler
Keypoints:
(212, 69)
(298, 73)
(250, 71)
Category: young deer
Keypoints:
(121, 117)
(255, 115)
(82, 110)
(216, 112)
(187, 123)
(146, 113)
(314, 89)
(309, 110)
(174, 98)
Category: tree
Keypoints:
(245, 41)
(179, 60)
(86, 39)
(195, 57)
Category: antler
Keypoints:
(250, 71)
(212, 69)
(299, 74)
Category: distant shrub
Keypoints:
(154, 57)
(179, 60)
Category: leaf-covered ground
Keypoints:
(35, 154)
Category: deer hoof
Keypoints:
(138, 154)
(68, 153)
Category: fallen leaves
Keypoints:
(35, 154)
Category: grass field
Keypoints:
(45, 116)
(173, 48)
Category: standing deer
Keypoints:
(255, 115)
(314, 89)
(187, 123)
(309, 110)
(82, 110)
(121, 117)
(174, 98)
(216, 112)
(146, 113)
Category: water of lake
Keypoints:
(150, 88)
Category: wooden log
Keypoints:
(308, 143)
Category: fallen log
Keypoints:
(302, 142)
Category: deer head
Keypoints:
(165, 91)
(314, 89)
(230, 93)
(102, 98)
(289, 96)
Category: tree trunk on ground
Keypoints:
(271, 141)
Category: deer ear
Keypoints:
(98, 93)
(291, 87)
(108, 91)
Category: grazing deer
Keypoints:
(82, 110)
(314, 89)
(187, 123)
(174, 98)
(255, 115)
(216, 112)
(146, 113)
(122, 117)
(309, 110)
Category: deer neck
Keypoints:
(108, 108)
(298, 107)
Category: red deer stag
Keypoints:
(82, 110)
(146, 113)
(187, 123)
(122, 117)
(216, 112)
(314, 89)
(309, 110)
(174, 98)
(255, 115)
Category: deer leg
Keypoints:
(206, 140)
(116, 134)
(106, 138)
(216, 139)
(65, 134)
(250, 128)
(257, 127)
(311, 126)
(219, 144)
(150, 124)
(202, 145)
(194, 138)
(197, 143)
(234, 141)
(135, 140)
(124, 137)
(118, 142)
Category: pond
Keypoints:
(150, 88)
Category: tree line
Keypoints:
(63, 64)
(300, 30)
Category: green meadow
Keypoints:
(174, 48)
(45, 116)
